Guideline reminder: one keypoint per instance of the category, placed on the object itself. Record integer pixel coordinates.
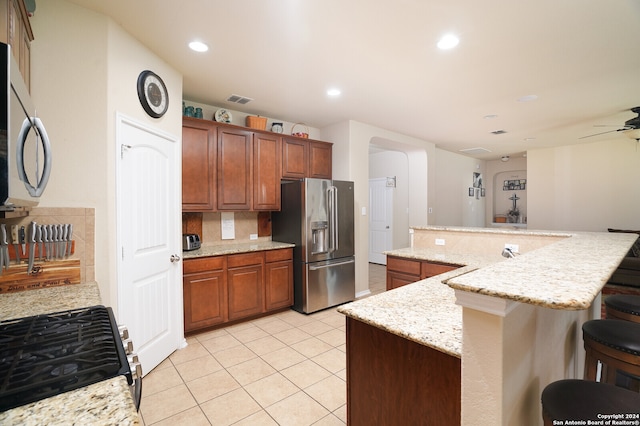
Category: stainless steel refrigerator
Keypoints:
(317, 216)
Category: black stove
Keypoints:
(45, 355)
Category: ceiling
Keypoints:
(581, 58)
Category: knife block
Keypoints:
(46, 273)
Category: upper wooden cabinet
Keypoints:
(234, 186)
(266, 171)
(304, 158)
(198, 166)
(15, 30)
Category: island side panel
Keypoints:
(392, 380)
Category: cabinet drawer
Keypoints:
(203, 264)
(431, 269)
(278, 255)
(403, 265)
(245, 259)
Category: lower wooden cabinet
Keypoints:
(220, 289)
(402, 271)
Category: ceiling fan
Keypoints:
(631, 127)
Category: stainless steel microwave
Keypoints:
(25, 151)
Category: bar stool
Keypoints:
(582, 400)
(623, 306)
(616, 344)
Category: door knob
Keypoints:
(174, 258)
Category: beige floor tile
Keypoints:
(333, 337)
(212, 386)
(204, 336)
(295, 318)
(192, 351)
(265, 345)
(220, 343)
(297, 410)
(261, 418)
(165, 404)
(283, 358)
(330, 420)
(330, 392)
(333, 360)
(164, 364)
(251, 371)
(342, 348)
(341, 413)
(275, 326)
(316, 327)
(192, 417)
(235, 355)
(291, 336)
(159, 380)
(198, 367)
(305, 374)
(342, 374)
(335, 320)
(230, 408)
(312, 347)
(249, 334)
(271, 389)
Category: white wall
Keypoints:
(84, 70)
(586, 187)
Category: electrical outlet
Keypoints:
(253, 236)
(513, 247)
(439, 241)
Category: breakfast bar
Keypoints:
(514, 325)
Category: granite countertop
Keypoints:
(567, 274)
(235, 248)
(106, 403)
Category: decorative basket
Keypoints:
(256, 122)
(300, 134)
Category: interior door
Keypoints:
(148, 235)
(380, 220)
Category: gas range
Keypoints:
(45, 355)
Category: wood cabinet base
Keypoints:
(394, 381)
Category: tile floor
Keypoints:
(283, 369)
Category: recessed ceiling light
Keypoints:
(448, 41)
(528, 98)
(333, 92)
(198, 46)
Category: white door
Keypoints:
(380, 220)
(148, 169)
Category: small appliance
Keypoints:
(190, 242)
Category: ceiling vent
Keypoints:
(498, 132)
(475, 151)
(237, 99)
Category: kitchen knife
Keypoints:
(23, 240)
(61, 237)
(45, 240)
(70, 239)
(53, 236)
(39, 242)
(32, 245)
(16, 241)
(4, 244)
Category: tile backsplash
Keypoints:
(245, 224)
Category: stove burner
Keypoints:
(44, 355)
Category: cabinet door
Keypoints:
(204, 299)
(266, 172)
(430, 269)
(402, 271)
(320, 160)
(198, 165)
(234, 169)
(246, 284)
(295, 158)
(398, 279)
(279, 279)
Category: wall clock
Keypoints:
(153, 94)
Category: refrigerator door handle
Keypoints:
(329, 265)
(333, 219)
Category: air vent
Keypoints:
(475, 151)
(499, 132)
(237, 99)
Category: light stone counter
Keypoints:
(235, 248)
(105, 403)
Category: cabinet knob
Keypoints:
(174, 258)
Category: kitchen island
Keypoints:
(106, 403)
(513, 324)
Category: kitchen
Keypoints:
(113, 58)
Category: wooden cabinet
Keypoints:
(266, 172)
(15, 30)
(402, 271)
(220, 289)
(234, 184)
(303, 158)
(278, 279)
(198, 165)
(246, 284)
(204, 293)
